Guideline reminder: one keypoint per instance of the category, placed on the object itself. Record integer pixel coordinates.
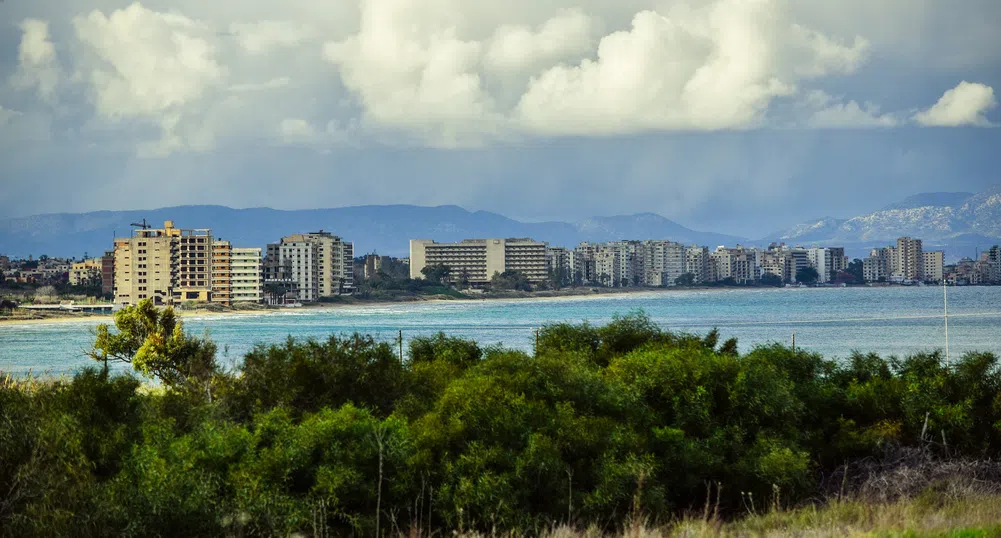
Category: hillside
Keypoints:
(959, 223)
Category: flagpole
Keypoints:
(945, 303)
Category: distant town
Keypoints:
(181, 266)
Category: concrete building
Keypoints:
(558, 265)
(879, 265)
(697, 263)
(477, 260)
(222, 283)
(108, 272)
(992, 261)
(169, 265)
(85, 272)
(320, 264)
(777, 263)
(246, 275)
(908, 262)
(662, 262)
(738, 263)
(827, 261)
(371, 265)
(933, 265)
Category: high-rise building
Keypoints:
(909, 264)
(246, 275)
(169, 266)
(558, 265)
(108, 272)
(477, 260)
(738, 263)
(933, 265)
(663, 262)
(222, 283)
(321, 264)
(697, 263)
(878, 266)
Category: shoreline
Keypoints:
(583, 293)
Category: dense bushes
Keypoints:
(599, 424)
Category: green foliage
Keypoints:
(510, 280)
(769, 279)
(342, 437)
(436, 274)
(153, 341)
(685, 280)
(807, 275)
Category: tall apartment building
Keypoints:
(697, 263)
(608, 266)
(108, 272)
(222, 284)
(828, 262)
(319, 263)
(477, 260)
(246, 275)
(582, 262)
(933, 265)
(169, 265)
(558, 264)
(879, 265)
(663, 262)
(777, 263)
(909, 264)
(739, 263)
(992, 261)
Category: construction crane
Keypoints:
(142, 225)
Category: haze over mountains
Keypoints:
(960, 223)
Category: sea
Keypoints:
(831, 321)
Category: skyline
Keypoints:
(735, 116)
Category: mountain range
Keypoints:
(959, 223)
(382, 229)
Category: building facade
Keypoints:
(909, 264)
(246, 275)
(320, 264)
(933, 265)
(169, 266)
(85, 273)
(477, 260)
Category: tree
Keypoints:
(687, 279)
(155, 344)
(437, 274)
(807, 275)
(510, 280)
(771, 279)
(855, 268)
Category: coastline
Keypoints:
(585, 293)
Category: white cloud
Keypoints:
(181, 75)
(831, 113)
(966, 104)
(263, 36)
(717, 67)
(410, 70)
(37, 64)
(516, 48)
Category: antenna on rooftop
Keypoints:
(142, 225)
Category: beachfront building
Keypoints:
(85, 273)
(477, 260)
(319, 263)
(168, 265)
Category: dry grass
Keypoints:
(925, 516)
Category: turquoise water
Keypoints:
(831, 321)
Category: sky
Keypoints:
(735, 116)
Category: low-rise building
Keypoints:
(85, 273)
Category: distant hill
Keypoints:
(383, 229)
(957, 222)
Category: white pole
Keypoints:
(945, 301)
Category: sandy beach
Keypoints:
(563, 295)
